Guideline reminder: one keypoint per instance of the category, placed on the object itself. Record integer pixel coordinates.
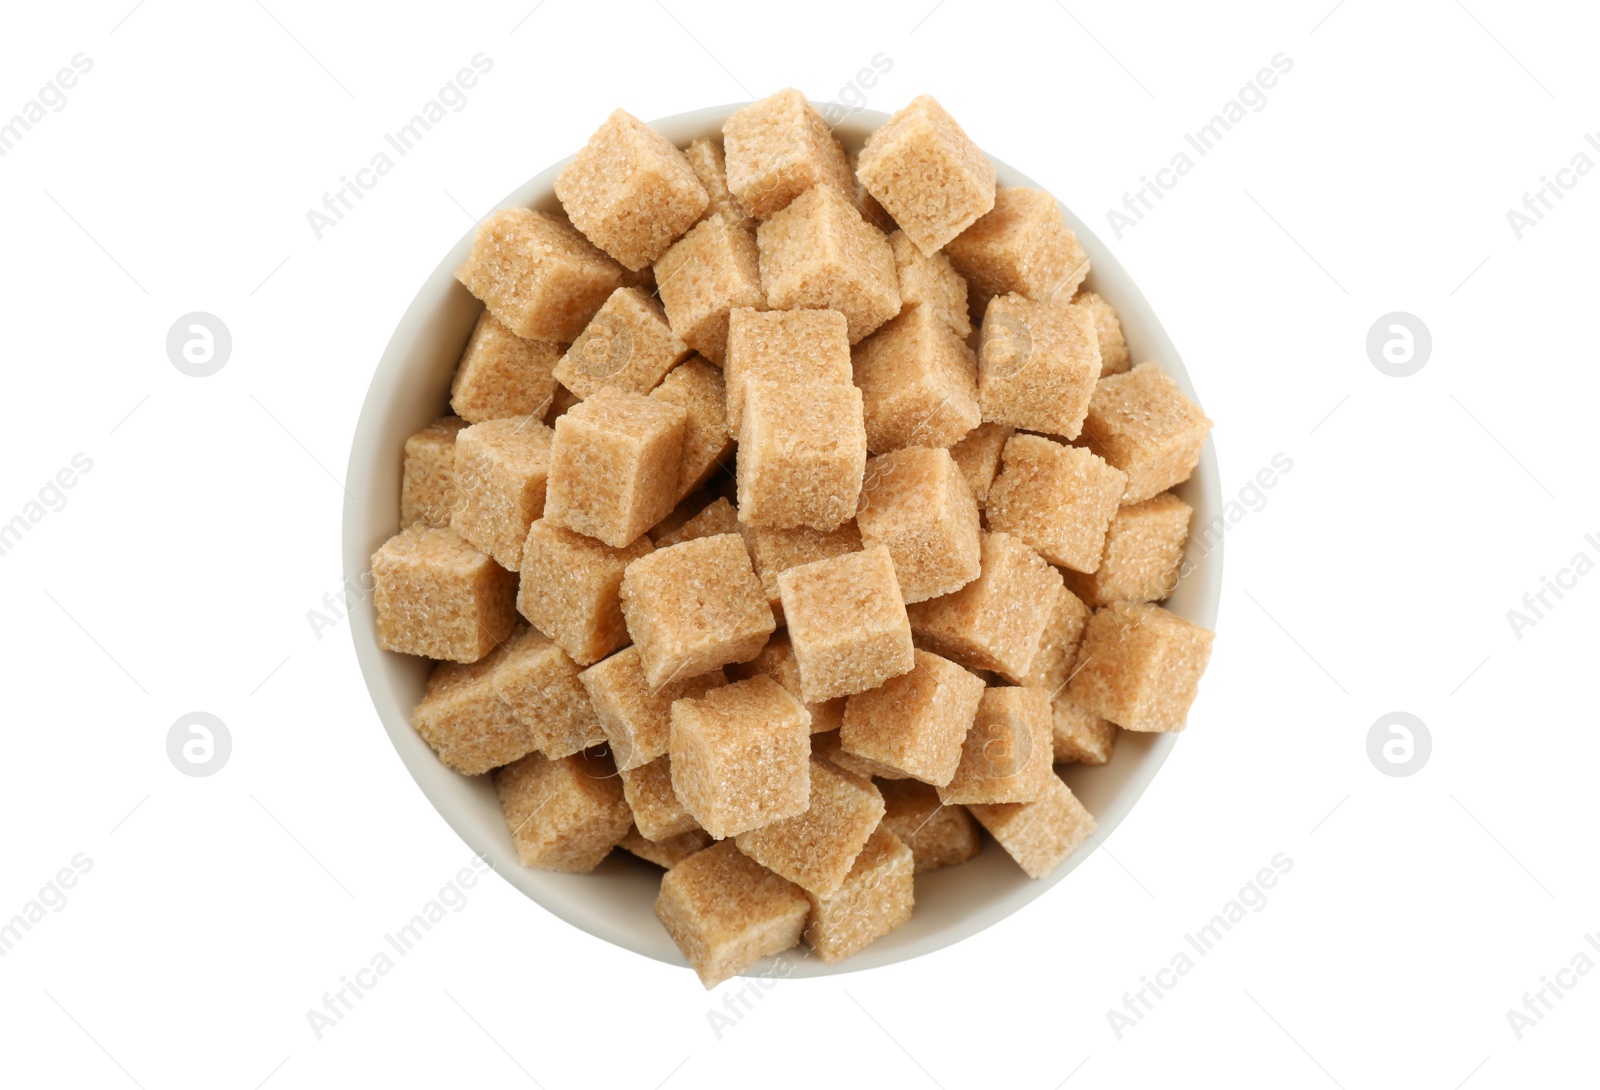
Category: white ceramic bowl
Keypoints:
(411, 388)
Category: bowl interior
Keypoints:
(411, 388)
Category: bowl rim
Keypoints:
(386, 388)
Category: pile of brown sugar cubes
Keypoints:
(797, 516)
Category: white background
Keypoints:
(1376, 578)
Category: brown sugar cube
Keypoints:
(927, 173)
(630, 191)
(1041, 834)
(796, 346)
(657, 813)
(1023, 245)
(847, 622)
(777, 661)
(710, 165)
(875, 898)
(741, 756)
(1037, 365)
(539, 683)
(1142, 423)
(938, 835)
(916, 723)
(815, 849)
(930, 280)
(1143, 551)
(627, 345)
(870, 209)
(500, 374)
(1140, 666)
(537, 274)
(564, 815)
(716, 517)
(919, 383)
(1114, 356)
(1058, 499)
(774, 551)
(726, 912)
(570, 589)
(802, 450)
(465, 721)
(428, 474)
(978, 457)
(666, 853)
(614, 466)
(1080, 736)
(637, 719)
(696, 387)
(437, 596)
(994, 622)
(827, 747)
(694, 607)
(705, 274)
(502, 467)
(560, 402)
(818, 253)
(916, 504)
(1058, 645)
(777, 149)
(1007, 753)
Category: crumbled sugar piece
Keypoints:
(875, 898)
(1114, 355)
(696, 387)
(978, 457)
(930, 280)
(657, 813)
